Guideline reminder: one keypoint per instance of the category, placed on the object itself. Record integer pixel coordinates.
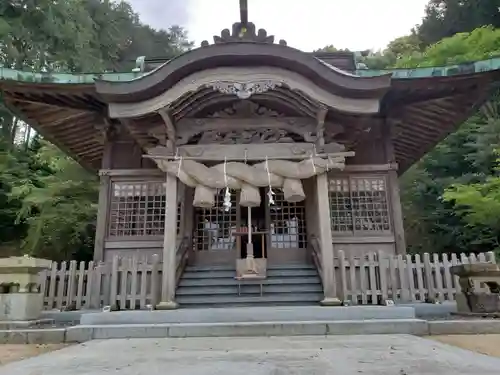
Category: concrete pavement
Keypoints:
(345, 355)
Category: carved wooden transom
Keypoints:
(245, 122)
(248, 136)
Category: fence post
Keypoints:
(79, 289)
(52, 286)
(372, 268)
(155, 280)
(382, 270)
(113, 292)
(343, 276)
(71, 283)
(411, 276)
(437, 266)
(61, 285)
(431, 290)
(490, 257)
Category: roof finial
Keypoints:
(243, 31)
(244, 12)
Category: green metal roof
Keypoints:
(88, 78)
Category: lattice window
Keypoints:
(287, 224)
(359, 204)
(214, 226)
(138, 209)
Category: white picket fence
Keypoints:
(134, 284)
(407, 278)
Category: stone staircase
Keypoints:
(286, 285)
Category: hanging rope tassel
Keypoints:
(227, 194)
(270, 193)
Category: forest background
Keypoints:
(48, 203)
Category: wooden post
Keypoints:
(102, 218)
(397, 214)
(325, 239)
(167, 301)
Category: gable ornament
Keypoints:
(244, 90)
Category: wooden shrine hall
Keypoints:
(246, 153)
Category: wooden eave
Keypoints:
(424, 111)
(69, 116)
(246, 54)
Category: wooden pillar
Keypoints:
(102, 218)
(103, 204)
(325, 239)
(397, 213)
(188, 212)
(167, 301)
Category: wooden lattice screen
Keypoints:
(287, 222)
(138, 209)
(359, 204)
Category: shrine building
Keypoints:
(249, 156)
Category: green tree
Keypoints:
(479, 44)
(47, 201)
(445, 18)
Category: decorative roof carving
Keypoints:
(242, 136)
(245, 109)
(244, 90)
(242, 33)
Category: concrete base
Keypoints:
(83, 333)
(249, 314)
(432, 310)
(330, 301)
(13, 324)
(20, 306)
(168, 305)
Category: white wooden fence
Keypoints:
(132, 284)
(406, 278)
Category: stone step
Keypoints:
(292, 328)
(234, 300)
(246, 289)
(250, 314)
(232, 282)
(211, 274)
(195, 268)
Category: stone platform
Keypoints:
(250, 315)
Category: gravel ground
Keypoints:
(10, 353)
(484, 344)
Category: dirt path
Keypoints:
(11, 353)
(484, 344)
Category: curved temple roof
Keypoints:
(423, 105)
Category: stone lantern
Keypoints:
(20, 299)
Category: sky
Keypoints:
(306, 25)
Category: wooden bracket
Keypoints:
(170, 128)
(320, 126)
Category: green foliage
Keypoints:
(445, 18)
(58, 201)
(479, 44)
(48, 202)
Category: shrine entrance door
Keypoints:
(213, 238)
(287, 240)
